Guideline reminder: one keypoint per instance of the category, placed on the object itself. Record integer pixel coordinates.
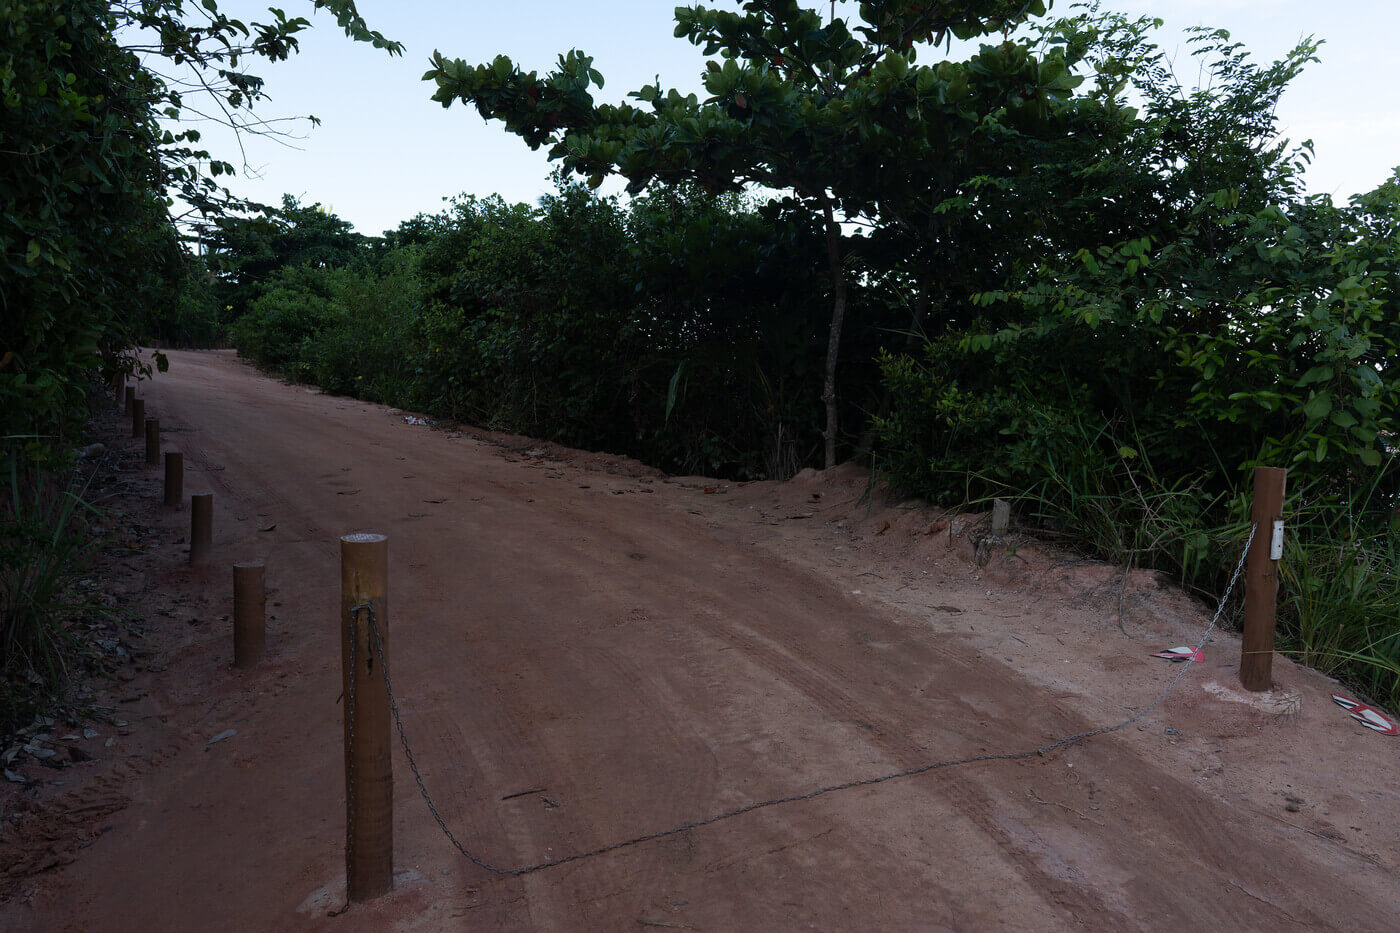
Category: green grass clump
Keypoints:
(46, 544)
(1339, 607)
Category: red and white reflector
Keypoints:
(1183, 653)
(1367, 716)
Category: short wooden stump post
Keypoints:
(128, 397)
(1261, 581)
(174, 479)
(201, 527)
(152, 442)
(138, 417)
(369, 776)
(249, 613)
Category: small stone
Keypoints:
(110, 742)
(1001, 516)
(226, 734)
(90, 733)
(14, 778)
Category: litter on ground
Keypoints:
(1183, 653)
(1368, 717)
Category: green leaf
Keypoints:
(1316, 374)
(673, 390)
(1318, 407)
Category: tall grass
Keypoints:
(1103, 494)
(1340, 610)
(45, 545)
(1339, 600)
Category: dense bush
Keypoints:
(678, 329)
(84, 238)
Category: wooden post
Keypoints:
(129, 396)
(174, 478)
(201, 527)
(249, 614)
(1261, 581)
(138, 417)
(152, 442)
(369, 776)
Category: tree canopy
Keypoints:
(817, 109)
(93, 158)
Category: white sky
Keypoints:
(385, 151)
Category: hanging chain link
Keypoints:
(350, 733)
(377, 647)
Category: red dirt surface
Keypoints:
(637, 651)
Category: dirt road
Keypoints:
(587, 651)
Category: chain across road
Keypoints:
(378, 648)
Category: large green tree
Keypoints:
(1194, 314)
(797, 104)
(246, 250)
(93, 157)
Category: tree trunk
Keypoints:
(838, 318)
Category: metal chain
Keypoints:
(378, 648)
(350, 733)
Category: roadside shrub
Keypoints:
(678, 330)
(281, 327)
(370, 348)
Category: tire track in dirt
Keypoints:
(1198, 825)
(1198, 828)
(890, 729)
(819, 679)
